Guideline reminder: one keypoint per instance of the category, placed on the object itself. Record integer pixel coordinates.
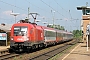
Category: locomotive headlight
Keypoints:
(27, 38)
(11, 38)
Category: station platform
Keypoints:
(79, 52)
(3, 48)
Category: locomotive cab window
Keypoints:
(20, 31)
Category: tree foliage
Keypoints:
(56, 27)
(77, 33)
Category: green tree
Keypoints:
(56, 27)
(62, 28)
(77, 33)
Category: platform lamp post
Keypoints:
(14, 14)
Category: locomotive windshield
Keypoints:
(20, 31)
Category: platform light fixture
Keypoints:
(14, 14)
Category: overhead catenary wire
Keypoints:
(70, 13)
(58, 12)
(60, 6)
(36, 6)
(64, 9)
(52, 8)
(3, 19)
(13, 5)
(20, 7)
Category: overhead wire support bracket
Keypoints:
(34, 17)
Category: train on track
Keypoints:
(27, 36)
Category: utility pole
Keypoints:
(28, 12)
(86, 3)
(53, 13)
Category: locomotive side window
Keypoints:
(20, 31)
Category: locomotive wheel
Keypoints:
(45, 45)
(10, 51)
(34, 47)
(54, 43)
(42, 45)
(29, 49)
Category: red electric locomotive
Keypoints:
(27, 36)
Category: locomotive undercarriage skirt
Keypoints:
(22, 46)
(26, 43)
(20, 43)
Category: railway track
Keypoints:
(3, 52)
(50, 54)
(7, 56)
(37, 55)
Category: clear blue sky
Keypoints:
(61, 10)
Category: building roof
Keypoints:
(83, 7)
(6, 27)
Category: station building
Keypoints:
(85, 19)
(5, 31)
